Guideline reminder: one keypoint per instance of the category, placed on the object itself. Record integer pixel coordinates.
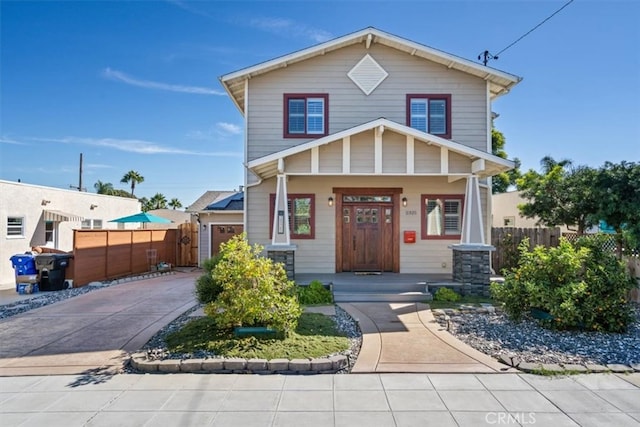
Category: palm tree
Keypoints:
(158, 201)
(134, 178)
(144, 204)
(103, 187)
(175, 203)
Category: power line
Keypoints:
(486, 55)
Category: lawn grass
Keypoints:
(315, 336)
(464, 300)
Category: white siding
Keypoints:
(348, 106)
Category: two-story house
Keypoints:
(368, 152)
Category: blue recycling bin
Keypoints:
(25, 268)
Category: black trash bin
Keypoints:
(51, 269)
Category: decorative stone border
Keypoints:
(535, 368)
(554, 368)
(131, 278)
(325, 365)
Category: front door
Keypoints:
(367, 232)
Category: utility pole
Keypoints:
(79, 187)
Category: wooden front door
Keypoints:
(221, 234)
(364, 238)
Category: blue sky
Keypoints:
(134, 85)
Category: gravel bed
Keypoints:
(156, 347)
(43, 298)
(495, 335)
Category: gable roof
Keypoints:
(267, 166)
(500, 82)
(206, 199)
(234, 202)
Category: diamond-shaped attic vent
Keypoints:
(367, 74)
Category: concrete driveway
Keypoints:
(93, 332)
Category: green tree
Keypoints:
(158, 201)
(255, 290)
(501, 182)
(145, 204)
(175, 203)
(617, 189)
(561, 195)
(103, 187)
(133, 178)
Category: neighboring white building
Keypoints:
(33, 215)
(505, 212)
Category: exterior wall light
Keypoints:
(330, 201)
(92, 207)
(404, 202)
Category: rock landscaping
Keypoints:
(532, 348)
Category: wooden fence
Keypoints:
(507, 239)
(109, 254)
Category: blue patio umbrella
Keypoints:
(143, 217)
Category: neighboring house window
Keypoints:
(430, 113)
(306, 115)
(15, 226)
(442, 216)
(301, 215)
(49, 232)
(91, 224)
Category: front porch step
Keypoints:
(345, 296)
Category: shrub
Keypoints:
(582, 286)
(446, 294)
(207, 287)
(255, 290)
(315, 293)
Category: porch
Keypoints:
(387, 287)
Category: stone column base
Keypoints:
(472, 267)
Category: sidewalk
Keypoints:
(404, 337)
(321, 400)
(93, 331)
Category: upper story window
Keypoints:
(442, 216)
(91, 224)
(430, 113)
(306, 115)
(301, 215)
(15, 227)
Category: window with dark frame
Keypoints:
(49, 232)
(306, 115)
(15, 226)
(442, 216)
(301, 215)
(430, 113)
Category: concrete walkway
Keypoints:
(404, 337)
(93, 332)
(442, 400)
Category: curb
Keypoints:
(323, 365)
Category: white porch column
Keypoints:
(472, 224)
(280, 232)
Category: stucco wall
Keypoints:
(26, 201)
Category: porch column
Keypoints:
(472, 256)
(280, 232)
(281, 250)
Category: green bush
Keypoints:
(315, 293)
(581, 286)
(255, 290)
(207, 288)
(446, 294)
